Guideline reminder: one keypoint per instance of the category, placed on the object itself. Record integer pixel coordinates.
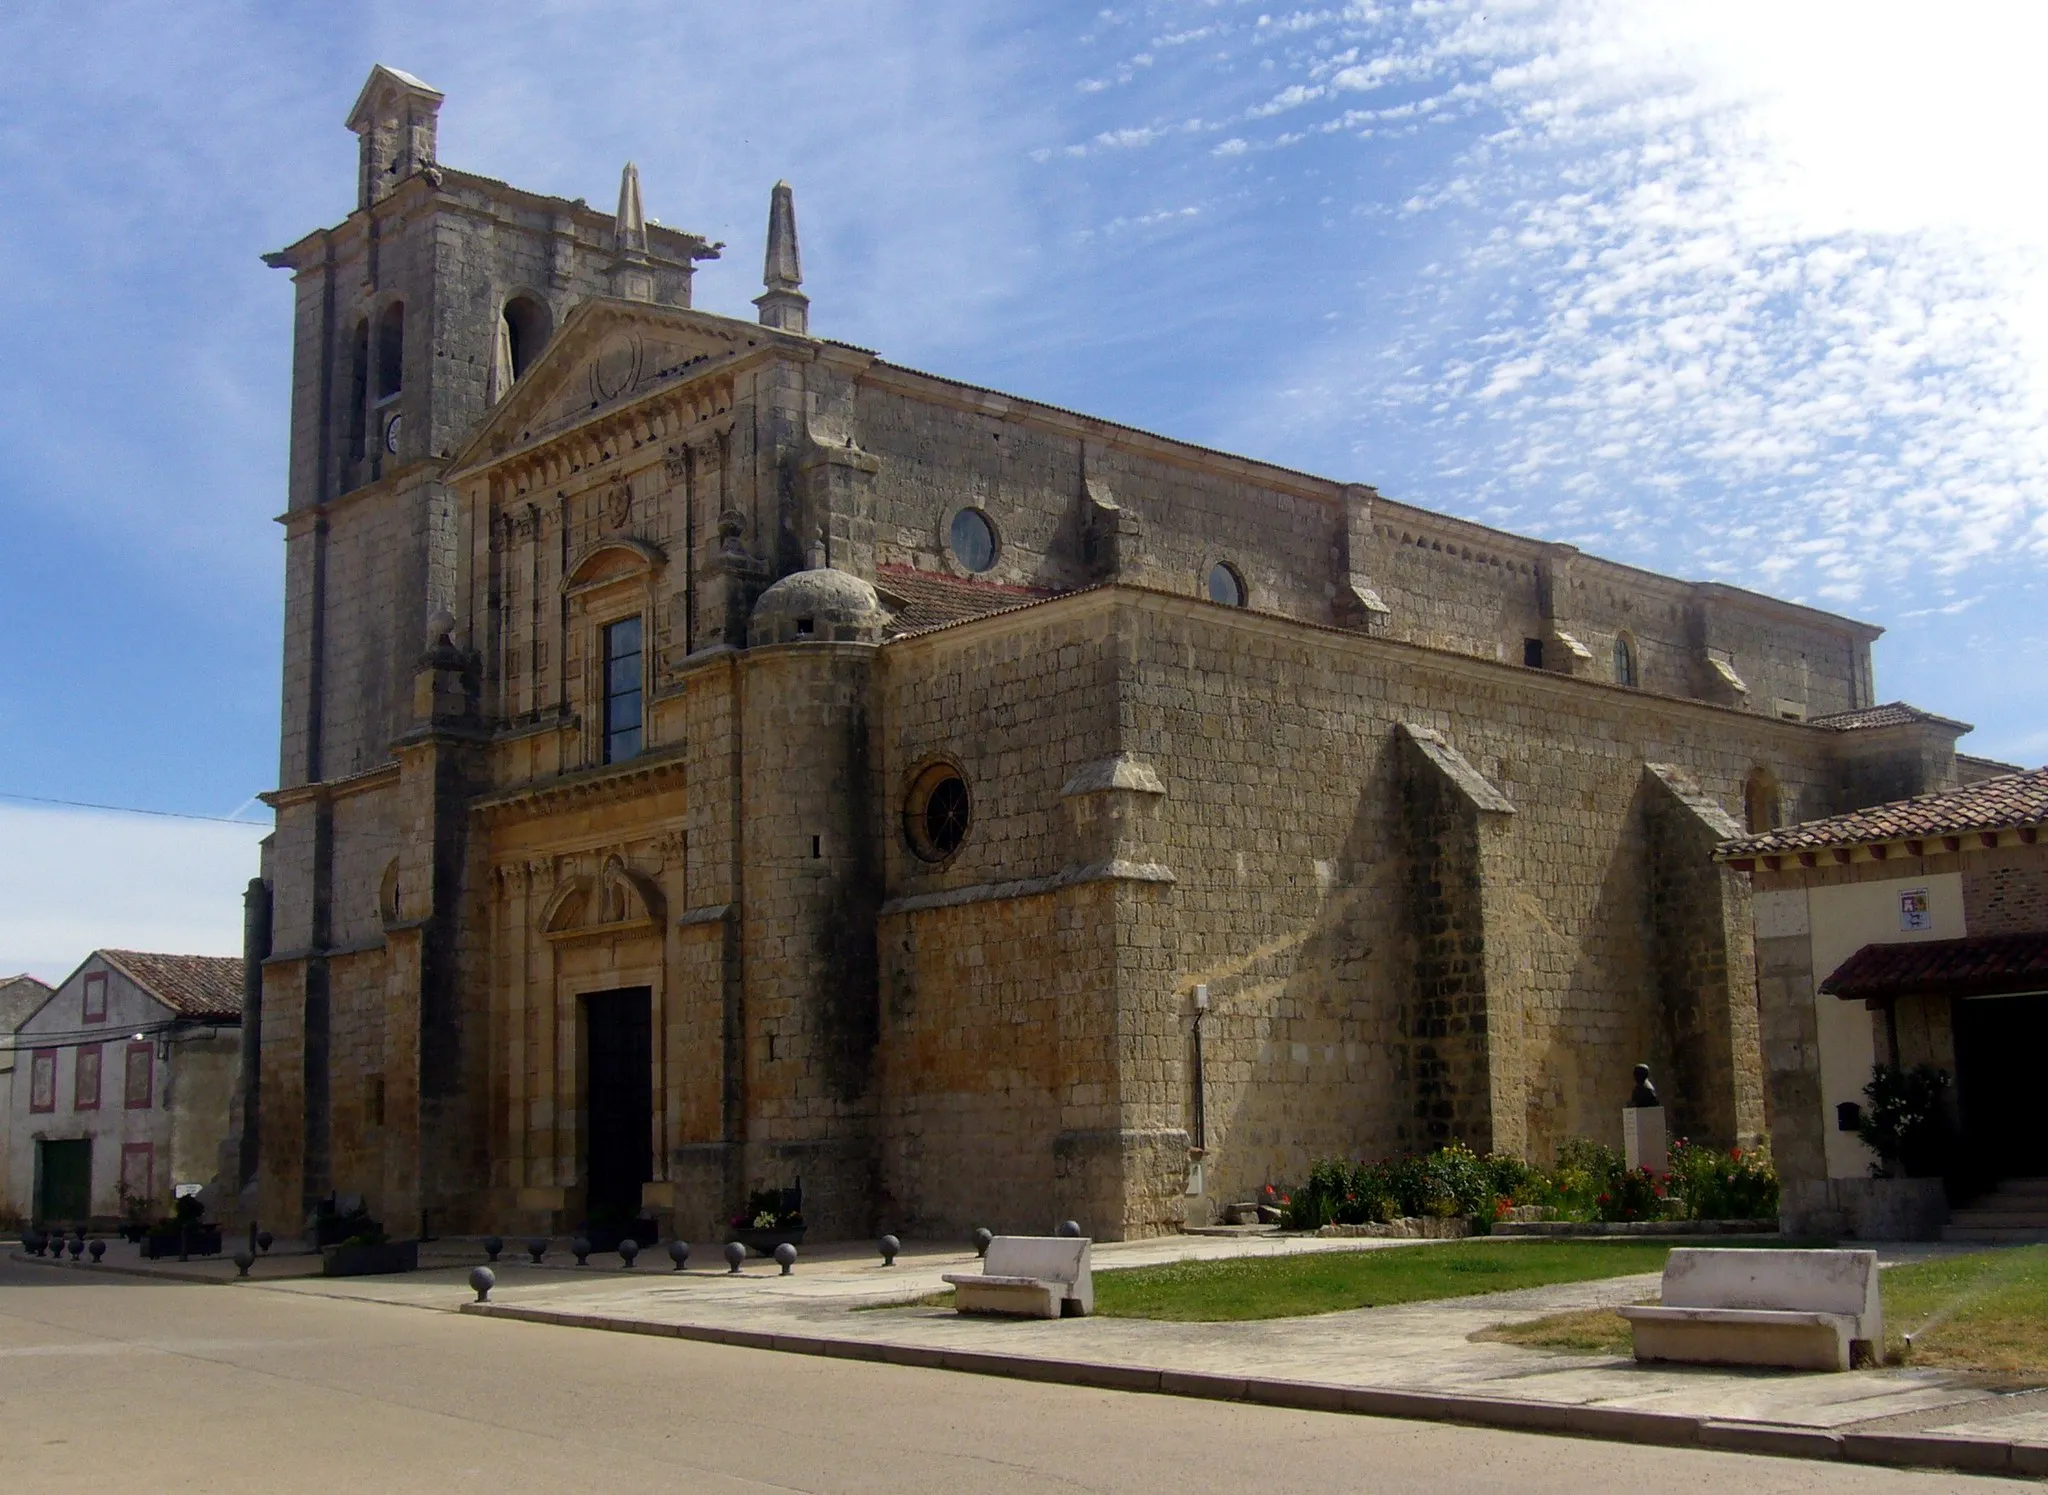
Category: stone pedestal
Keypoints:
(1642, 1138)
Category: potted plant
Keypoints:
(1905, 1121)
(134, 1214)
(771, 1218)
(185, 1233)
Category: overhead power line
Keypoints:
(80, 804)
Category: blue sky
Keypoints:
(1744, 291)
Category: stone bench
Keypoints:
(1806, 1310)
(1028, 1276)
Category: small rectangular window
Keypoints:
(42, 1084)
(622, 698)
(85, 1089)
(1532, 653)
(140, 1085)
(373, 1101)
(95, 997)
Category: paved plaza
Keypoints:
(1422, 1350)
(298, 1384)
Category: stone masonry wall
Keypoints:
(1274, 745)
(1282, 827)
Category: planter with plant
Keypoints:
(367, 1251)
(772, 1218)
(185, 1233)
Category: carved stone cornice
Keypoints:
(614, 781)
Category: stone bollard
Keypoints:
(628, 1249)
(679, 1253)
(243, 1261)
(785, 1257)
(97, 1248)
(982, 1236)
(263, 1241)
(537, 1248)
(1071, 1229)
(483, 1279)
(580, 1247)
(735, 1253)
(492, 1246)
(888, 1245)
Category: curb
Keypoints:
(155, 1274)
(1616, 1424)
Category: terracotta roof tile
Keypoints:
(1891, 714)
(2011, 801)
(190, 985)
(1978, 965)
(929, 599)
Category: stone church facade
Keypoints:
(715, 758)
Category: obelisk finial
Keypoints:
(629, 232)
(782, 305)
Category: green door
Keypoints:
(64, 1172)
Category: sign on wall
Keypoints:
(1915, 911)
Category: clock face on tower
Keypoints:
(391, 434)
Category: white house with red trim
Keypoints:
(123, 1080)
(1907, 933)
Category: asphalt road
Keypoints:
(124, 1382)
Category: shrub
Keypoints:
(1633, 1194)
(1585, 1170)
(1718, 1185)
(1906, 1120)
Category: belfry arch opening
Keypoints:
(391, 350)
(524, 328)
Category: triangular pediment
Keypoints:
(608, 354)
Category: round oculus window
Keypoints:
(1225, 586)
(972, 540)
(937, 813)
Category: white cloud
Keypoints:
(1785, 253)
(75, 881)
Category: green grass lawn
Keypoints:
(1265, 1287)
(1985, 1313)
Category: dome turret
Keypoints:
(820, 604)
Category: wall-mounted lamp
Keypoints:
(1202, 997)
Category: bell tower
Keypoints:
(395, 118)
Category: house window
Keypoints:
(141, 1076)
(42, 1083)
(1532, 653)
(622, 690)
(85, 1089)
(138, 1172)
(96, 997)
(1624, 660)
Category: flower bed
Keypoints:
(1589, 1184)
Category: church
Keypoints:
(715, 758)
